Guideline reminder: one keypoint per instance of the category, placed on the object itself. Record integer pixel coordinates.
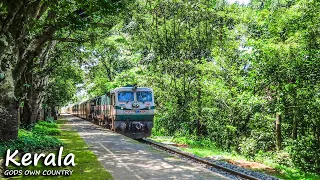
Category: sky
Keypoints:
(239, 1)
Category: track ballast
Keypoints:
(234, 173)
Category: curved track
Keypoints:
(127, 159)
(197, 159)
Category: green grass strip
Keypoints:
(87, 165)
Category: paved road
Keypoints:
(127, 159)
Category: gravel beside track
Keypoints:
(128, 159)
(221, 165)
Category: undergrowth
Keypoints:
(40, 138)
(279, 161)
(44, 130)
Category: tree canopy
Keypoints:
(244, 76)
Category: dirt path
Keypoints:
(127, 159)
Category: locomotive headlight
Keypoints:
(149, 107)
(135, 104)
(149, 125)
(121, 107)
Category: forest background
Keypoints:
(242, 77)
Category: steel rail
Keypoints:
(242, 175)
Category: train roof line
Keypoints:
(124, 87)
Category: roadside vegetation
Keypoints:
(244, 77)
(266, 162)
(87, 164)
(41, 138)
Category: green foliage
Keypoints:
(27, 127)
(279, 161)
(283, 159)
(196, 142)
(62, 86)
(44, 43)
(49, 120)
(48, 124)
(221, 73)
(87, 165)
(45, 130)
(248, 147)
(30, 142)
(35, 137)
(305, 154)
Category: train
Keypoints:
(127, 110)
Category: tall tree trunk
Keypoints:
(8, 108)
(294, 124)
(28, 81)
(36, 103)
(278, 131)
(53, 112)
(26, 114)
(199, 110)
(45, 113)
(9, 120)
(37, 81)
(8, 103)
(294, 116)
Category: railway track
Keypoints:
(198, 160)
(233, 173)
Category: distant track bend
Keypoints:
(197, 159)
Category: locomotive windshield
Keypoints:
(125, 96)
(144, 96)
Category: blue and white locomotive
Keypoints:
(127, 110)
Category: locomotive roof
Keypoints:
(130, 88)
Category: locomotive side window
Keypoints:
(144, 96)
(125, 96)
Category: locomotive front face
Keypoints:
(134, 111)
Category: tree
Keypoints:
(29, 32)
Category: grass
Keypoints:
(280, 171)
(45, 130)
(87, 165)
(48, 124)
(30, 142)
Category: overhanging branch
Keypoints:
(73, 40)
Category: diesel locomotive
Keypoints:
(126, 110)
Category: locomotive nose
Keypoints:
(139, 125)
(149, 125)
(135, 104)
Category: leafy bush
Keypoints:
(50, 120)
(27, 127)
(44, 130)
(248, 147)
(283, 158)
(30, 142)
(306, 154)
(196, 142)
(48, 124)
(182, 140)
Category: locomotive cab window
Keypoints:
(125, 96)
(144, 96)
